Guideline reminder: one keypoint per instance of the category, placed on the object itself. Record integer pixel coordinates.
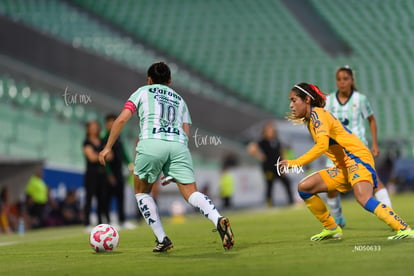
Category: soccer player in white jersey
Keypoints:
(352, 109)
(162, 147)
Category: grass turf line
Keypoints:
(268, 242)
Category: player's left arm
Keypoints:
(321, 146)
(373, 129)
(116, 129)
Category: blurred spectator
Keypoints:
(36, 199)
(402, 175)
(385, 169)
(268, 150)
(70, 209)
(116, 176)
(4, 211)
(53, 216)
(95, 179)
(227, 182)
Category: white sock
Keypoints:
(335, 206)
(149, 211)
(205, 205)
(383, 196)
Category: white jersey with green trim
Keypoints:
(352, 113)
(162, 112)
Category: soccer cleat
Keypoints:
(403, 234)
(335, 234)
(163, 246)
(341, 222)
(227, 237)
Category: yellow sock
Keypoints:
(387, 215)
(316, 205)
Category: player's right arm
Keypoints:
(186, 128)
(116, 129)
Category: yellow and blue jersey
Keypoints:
(335, 141)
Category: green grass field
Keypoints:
(268, 242)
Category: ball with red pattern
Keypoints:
(104, 238)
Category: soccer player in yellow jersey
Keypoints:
(353, 168)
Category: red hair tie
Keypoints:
(316, 89)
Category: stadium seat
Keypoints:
(8, 116)
(242, 46)
(37, 125)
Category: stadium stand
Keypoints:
(74, 26)
(233, 43)
(240, 45)
(379, 33)
(39, 125)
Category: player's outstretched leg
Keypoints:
(363, 194)
(388, 215)
(149, 211)
(316, 205)
(207, 208)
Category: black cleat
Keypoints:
(227, 237)
(163, 246)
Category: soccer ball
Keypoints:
(104, 238)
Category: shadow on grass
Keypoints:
(218, 254)
(107, 253)
(209, 255)
(185, 253)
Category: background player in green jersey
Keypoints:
(352, 109)
(162, 147)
